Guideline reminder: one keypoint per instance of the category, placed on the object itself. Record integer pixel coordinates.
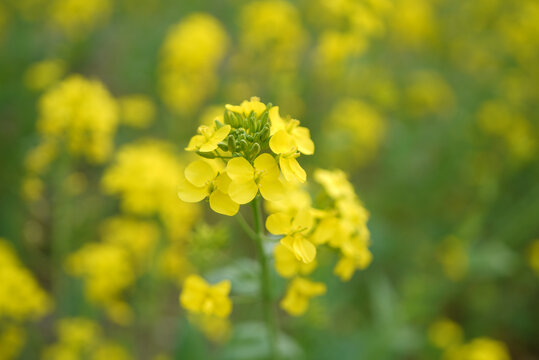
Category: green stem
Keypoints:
(265, 280)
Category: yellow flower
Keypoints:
(201, 181)
(136, 110)
(298, 294)
(533, 256)
(201, 298)
(246, 107)
(288, 265)
(445, 333)
(288, 140)
(43, 74)
(481, 348)
(335, 183)
(295, 229)
(82, 112)
(12, 340)
(208, 138)
(293, 134)
(355, 255)
(247, 179)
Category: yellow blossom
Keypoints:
(208, 138)
(335, 183)
(355, 255)
(481, 348)
(533, 256)
(136, 110)
(248, 179)
(43, 74)
(200, 297)
(75, 17)
(288, 265)
(294, 228)
(83, 113)
(248, 106)
(12, 339)
(202, 180)
(445, 333)
(298, 294)
(21, 297)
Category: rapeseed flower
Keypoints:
(287, 263)
(202, 180)
(136, 110)
(248, 179)
(295, 229)
(199, 297)
(208, 139)
(299, 293)
(83, 113)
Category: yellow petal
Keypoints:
(222, 288)
(199, 173)
(271, 188)
(195, 142)
(279, 223)
(222, 182)
(239, 170)
(304, 249)
(303, 221)
(243, 192)
(221, 133)
(303, 140)
(292, 170)
(277, 123)
(267, 164)
(282, 143)
(222, 203)
(191, 193)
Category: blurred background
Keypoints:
(430, 107)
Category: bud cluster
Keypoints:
(249, 135)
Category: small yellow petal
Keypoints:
(292, 170)
(279, 223)
(195, 142)
(303, 220)
(304, 249)
(303, 140)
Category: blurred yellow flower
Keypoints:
(453, 255)
(287, 264)
(83, 113)
(482, 348)
(298, 294)
(43, 74)
(21, 297)
(533, 256)
(445, 333)
(77, 17)
(200, 297)
(12, 340)
(294, 228)
(136, 110)
(190, 55)
(355, 255)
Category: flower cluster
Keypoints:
(447, 335)
(81, 338)
(253, 151)
(82, 113)
(190, 55)
(21, 297)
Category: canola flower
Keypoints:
(75, 18)
(298, 294)
(190, 55)
(137, 110)
(81, 113)
(21, 297)
(251, 154)
(143, 175)
(80, 337)
(199, 297)
(43, 74)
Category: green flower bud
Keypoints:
(223, 146)
(207, 155)
(231, 143)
